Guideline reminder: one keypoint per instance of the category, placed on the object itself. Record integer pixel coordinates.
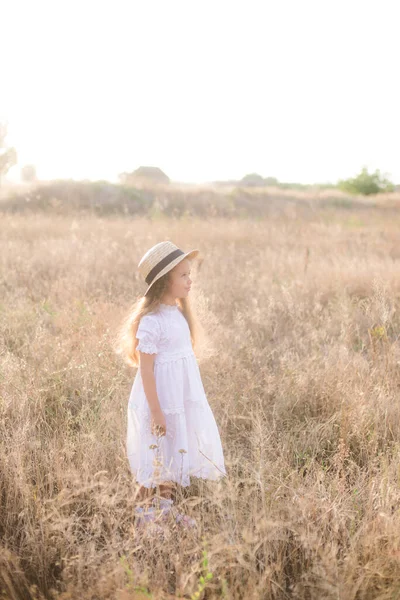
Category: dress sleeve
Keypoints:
(148, 334)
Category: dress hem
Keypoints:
(153, 484)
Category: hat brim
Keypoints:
(190, 255)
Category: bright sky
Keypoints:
(302, 90)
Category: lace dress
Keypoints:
(192, 444)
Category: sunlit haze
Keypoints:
(302, 91)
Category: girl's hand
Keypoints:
(158, 424)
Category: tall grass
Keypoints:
(300, 362)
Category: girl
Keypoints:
(171, 432)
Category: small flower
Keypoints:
(182, 451)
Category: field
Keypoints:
(300, 360)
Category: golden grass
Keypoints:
(300, 362)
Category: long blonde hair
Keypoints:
(126, 341)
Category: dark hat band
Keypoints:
(162, 264)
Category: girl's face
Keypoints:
(179, 280)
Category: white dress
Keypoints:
(192, 444)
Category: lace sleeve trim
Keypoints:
(147, 347)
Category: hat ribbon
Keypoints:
(163, 263)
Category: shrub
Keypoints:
(366, 183)
(253, 179)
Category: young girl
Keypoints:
(171, 434)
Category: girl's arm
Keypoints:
(149, 381)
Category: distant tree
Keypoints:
(271, 181)
(148, 174)
(8, 156)
(252, 180)
(366, 183)
(28, 173)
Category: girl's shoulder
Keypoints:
(150, 323)
(153, 319)
(160, 317)
(150, 317)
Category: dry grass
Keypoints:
(106, 199)
(300, 361)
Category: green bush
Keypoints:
(252, 180)
(366, 183)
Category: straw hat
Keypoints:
(160, 259)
